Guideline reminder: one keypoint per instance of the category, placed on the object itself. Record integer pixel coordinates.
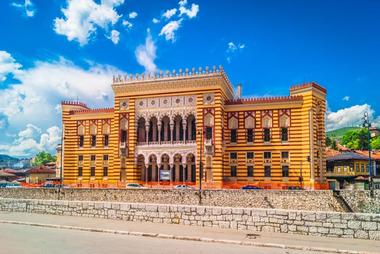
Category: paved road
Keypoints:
(20, 239)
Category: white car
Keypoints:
(183, 187)
(135, 186)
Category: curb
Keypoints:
(187, 238)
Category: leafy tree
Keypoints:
(356, 139)
(328, 141)
(42, 158)
(375, 143)
(334, 145)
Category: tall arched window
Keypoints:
(249, 124)
(106, 133)
(93, 131)
(284, 125)
(81, 135)
(233, 126)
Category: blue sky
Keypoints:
(56, 50)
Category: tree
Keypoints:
(375, 143)
(356, 139)
(328, 141)
(42, 158)
(334, 145)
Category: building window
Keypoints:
(93, 157)
(81, 140)
(105, 171)
(362, 165)
(233, 135)
(266, 135)
(249, 135)
(250, 171)
(123, 138)
(80, 171)
(250, 155)
(80, 157)
(92, 173)
(267, 155)
(285, 171)
(285, 155)
(105, 157)
(106, 140)
(357, 168)
(208, 132)
(233, 155)
(267, 171)
(233, 171)
(284, 134)
(93, 140)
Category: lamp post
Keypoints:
(367, 124)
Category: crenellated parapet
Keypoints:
(264, 100)
(74, 103)
(307, 85)
(92, 111)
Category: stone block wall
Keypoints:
(331, 224)
(277, 199)
(362, 200)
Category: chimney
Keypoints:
(238, 91)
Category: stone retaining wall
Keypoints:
(332, 224)
(296, 200)
(362, 200)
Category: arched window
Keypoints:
(106, 132)
(209, 123)
(284, 126)
(93, 131)
(81, 135)
(249, 123)
(123, 131)
(233, 125)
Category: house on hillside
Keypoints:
(39, 174)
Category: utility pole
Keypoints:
(367, 124)
(200, 166)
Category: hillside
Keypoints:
(339, 133)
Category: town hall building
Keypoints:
(163, 125)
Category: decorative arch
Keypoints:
(124, 124)
(209, 120)
(266, 119)
(81, 128)
(93, 128)
(249, 120)
(284, 116)
(106, 128)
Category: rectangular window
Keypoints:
(267, 171)
(80, 171)
(93, 157)
(233, 155)
(233, 171)
(106, 140)
(233, 135)
(362, 166)
(92, 169)
(357, 168)
(250, 155)
(267, 155)
(80, 157)
(250, 171)
(123, 138)
(105, 157)
(249, 135)
(81, 140)
(93, 140)
(208, 132)
(266, 135)
(285, 171)
(284, 134)
(105, 171)
(285, 155)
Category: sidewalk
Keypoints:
(195, 233)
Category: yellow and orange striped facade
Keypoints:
(162, 126)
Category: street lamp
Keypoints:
(367, 124)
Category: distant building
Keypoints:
(40, 174)
(350, 169)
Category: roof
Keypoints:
(347, 156)
(374, 155)
(331, 152)
(308, 85)
(3, 173)
(41, 170)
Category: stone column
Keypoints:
(147, 133)
(171, 172)
(154, 132)
(189, 130)
(159, 133)
(184, 128)
(171, 131)
(177, 129)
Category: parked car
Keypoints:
(183, 187)
(48, 185)
(250, 187)
(135, 186)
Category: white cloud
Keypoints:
(133, 15)
(114, 37)
(155, 21)
(127, 24)
(169, 13)
(346, 98)
(82, 18)
(169, 30)
(34, 100)
(8, 65)
(27, 7)
(146, 54)
(351, 116)
(191, 13)
(233, 49)
(182, 2)
(31, 141)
